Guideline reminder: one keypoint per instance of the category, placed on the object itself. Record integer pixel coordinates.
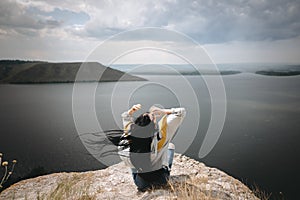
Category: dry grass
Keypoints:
(183, 188)
(186, 191)
(71, 188)
(260, 193)
(189, 189)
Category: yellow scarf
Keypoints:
(163, 131)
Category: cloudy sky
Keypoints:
(231, 32)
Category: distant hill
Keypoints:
(278, 73)
(16, 71)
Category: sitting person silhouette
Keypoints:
(150, 153)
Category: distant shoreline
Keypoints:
(278, 73)
(67, 82)
(27, 72)
(219, 69)
(225, 73)
(41, 72)
(189, 73)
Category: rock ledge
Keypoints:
(190, 179)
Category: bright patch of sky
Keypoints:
(67, 17)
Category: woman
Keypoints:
(151, 165)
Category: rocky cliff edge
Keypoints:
(190, 179)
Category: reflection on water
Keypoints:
(258, 143)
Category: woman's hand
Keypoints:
(134, 108)
(159, 111)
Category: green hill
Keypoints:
(43, 72)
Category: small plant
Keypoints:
(7, 173)
(260, 193)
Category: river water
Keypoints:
(259, 143)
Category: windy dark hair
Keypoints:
(142, 127)
(106, 142)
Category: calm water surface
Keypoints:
(259, 143)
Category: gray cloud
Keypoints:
(58, 26)
(19, 18)
(206, 21)
(215, 22)
(13, 15)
